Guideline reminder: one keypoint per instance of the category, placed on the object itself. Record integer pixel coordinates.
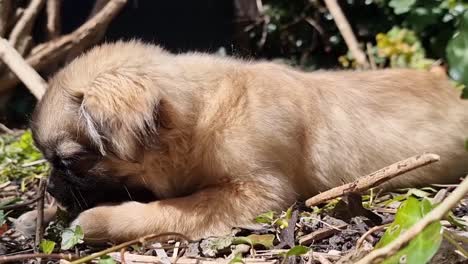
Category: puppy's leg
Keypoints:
(211, 211)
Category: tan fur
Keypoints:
(222, 140)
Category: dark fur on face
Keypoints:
(77, 182)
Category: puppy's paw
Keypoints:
(110, 223)
(94, 223)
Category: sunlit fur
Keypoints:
(221, 140)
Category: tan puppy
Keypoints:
(213, 142)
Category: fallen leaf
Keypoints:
(424, 246)
(47, 246)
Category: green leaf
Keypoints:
(71, 237)
(47, 246)
(237, 259)
(2, 217)
(106, 259)
(253, 240)
(401, 6)
(457, 53)
(423, 247)
(297, 251)
(265, 218)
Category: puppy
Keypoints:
(203, 143)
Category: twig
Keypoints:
(375, 178)
(5, 13)
(346, 32)
(16, 206)
(320, 234)
(49, 52)
(141, 241)
(40, 213)
(95, 37)
(433, 216)
(5, 129)
(33, 163)
(13, 258)
(448, 236)
(369, 47)
(368, 233)
(23, 71)
(53, 8)
(24, 26)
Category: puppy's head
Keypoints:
(95, 122)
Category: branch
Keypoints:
(40, 213)
(49, 52)
(433, 216)
(53, 18)
(375, 178)
(16, 258)
(346, 32)
(140, 241)
(24, 26)
(23, 71)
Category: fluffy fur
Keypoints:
(218, 141)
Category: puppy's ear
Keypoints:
(120, 113)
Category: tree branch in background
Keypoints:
(53, 18)
(435, 215)
(347, 33)
(23, 71)
(23, 27)
(376, 178)
(54, 50)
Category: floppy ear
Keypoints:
(120, 114)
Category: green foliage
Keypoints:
(265, 218)
(271, 219)
(253, 240)
(106, 259)
(423, 247)
(297, 251)
(71, 237)
(237, 259)
(457, 53)
(15, 152)
(2, 217)
(47, 246)
(401, 6)
(402, 48)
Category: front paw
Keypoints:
(95, 224)
(116, 223)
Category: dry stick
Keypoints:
(375, 178)
(5, 129)
(368, 233)
(16, 206)
(24, 26)
(49, 52)
(346, 32)
(433, 216)
(40, 214)
(15, 258)
(98, 35)
(53, 18)
(141, 240)
(27, 75)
